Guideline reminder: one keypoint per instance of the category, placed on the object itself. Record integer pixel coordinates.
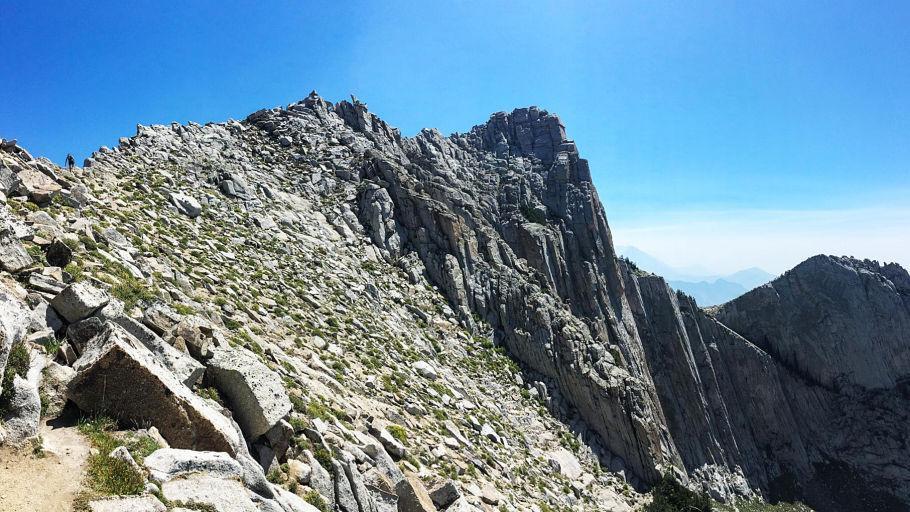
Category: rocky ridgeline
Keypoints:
(307, 304)
(215, 283)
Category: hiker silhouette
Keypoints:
(70, 162)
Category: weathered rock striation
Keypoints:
(506, 221)
(254, 263)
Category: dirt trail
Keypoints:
(49, 483)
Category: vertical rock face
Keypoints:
(840, 322)
(507, 222)
(521, 242)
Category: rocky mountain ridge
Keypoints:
(335, 283)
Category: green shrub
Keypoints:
(113, 477)
(110, 476)
(126, 287)
(323, 457)
(671, 496)
(275, 476)
(210, 393)
(398, 432)
(316, 499)
(16, 364)
(532, 215)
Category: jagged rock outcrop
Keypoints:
(116, 375)
(523, 245)
(667, 385)
(262, 253)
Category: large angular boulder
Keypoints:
(195, 333)
(119, 377)
(256, 394)
(13, 256)
(185, 204)
(345, 501)
(168, 463)
(184, 367)
(445, 494)
(159, 318)
(144, 503)
(55, 379)
(413, 496)
(23, 412)
(14, 320)
(222, 494)
(392, 445)
(384, 464)
(58, 254)
(566, 463)
(364, 499)
(39, 187)
(21, 422)
(79, 300)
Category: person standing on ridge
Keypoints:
(70, 161)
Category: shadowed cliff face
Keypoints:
(792, 389)
(522, 244)
(841, 322)
(506, 220)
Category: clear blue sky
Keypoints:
(694, 115)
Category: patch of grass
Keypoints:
(671, 496)
(113, 477)
(210, 393)
(323, 457)
(74, 270)
(275, 476)
(183, 309)
(99, 430)
(107, 476)
(35, 252)
(316, 409)
(16, 364)
(141, 447)
(760, 506)
(298, 403)
(190, 505)
(88, 242)
(38, 447)
(298, 423)
(316, 499)
(399, 433)
(126, 287)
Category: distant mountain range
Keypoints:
(708, 289)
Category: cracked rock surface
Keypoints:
(331, 312)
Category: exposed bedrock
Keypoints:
(507, 222)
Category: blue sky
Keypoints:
(719, 133)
